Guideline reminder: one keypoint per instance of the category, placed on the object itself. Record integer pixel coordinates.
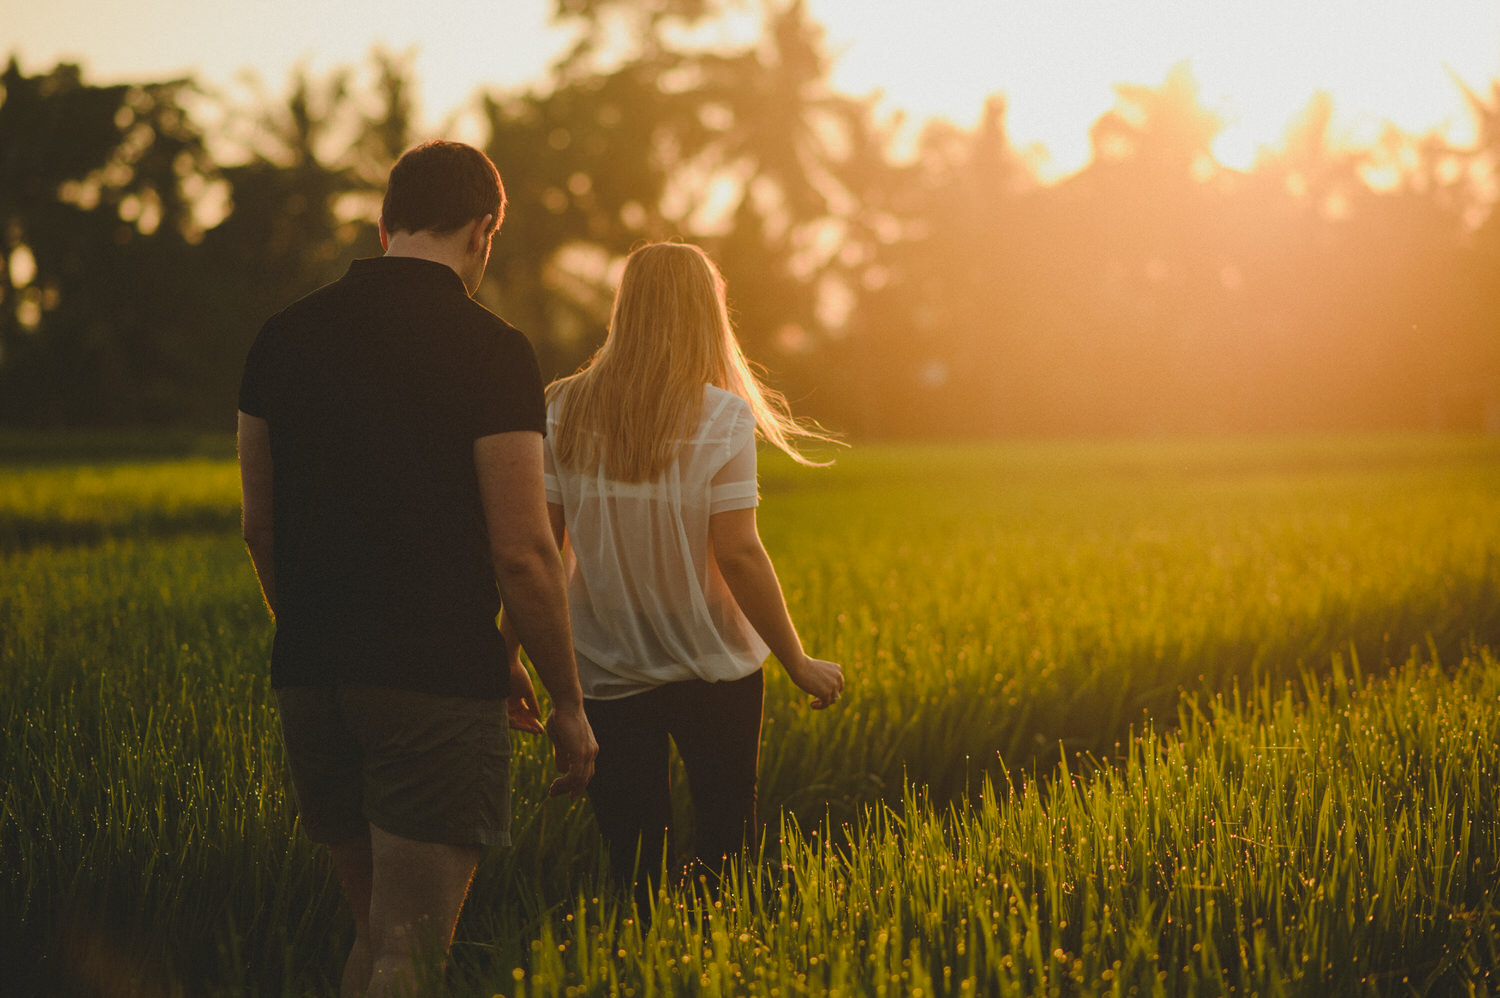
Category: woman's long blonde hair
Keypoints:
(641, 393)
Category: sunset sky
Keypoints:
(1258, 62)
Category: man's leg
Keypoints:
(326, 765)
(352, 860)
(417, 891)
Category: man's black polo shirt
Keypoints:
(375, 388)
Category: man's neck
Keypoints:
(445, 249)
(465, 251)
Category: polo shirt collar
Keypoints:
(411, 268)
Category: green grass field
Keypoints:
(1156, 718)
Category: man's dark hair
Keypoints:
(441, 186)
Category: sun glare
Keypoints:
(1258, 65)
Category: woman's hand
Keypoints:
(523, 712)
(823, 681)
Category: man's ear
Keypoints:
(385, 237)
(480, 234)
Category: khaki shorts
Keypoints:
(424, 767)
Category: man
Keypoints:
(390, 438)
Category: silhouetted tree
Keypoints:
(1482, 264)
(941, 312)
(948, 293)
(735, 150)
(96, 225)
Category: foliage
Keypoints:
(1341, 843)
(945, 294)
(95, 221)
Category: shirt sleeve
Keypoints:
(254, 391)
(509, 394)
(733, 485)
(549, 472)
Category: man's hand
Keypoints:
(574, 748)
(523, 712)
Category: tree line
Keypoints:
(146, 230)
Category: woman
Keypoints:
(651, 482)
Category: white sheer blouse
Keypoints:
(648, 603)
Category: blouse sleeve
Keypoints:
(733, 485)
(549, 466)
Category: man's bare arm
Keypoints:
(256, 475)
(533, 589)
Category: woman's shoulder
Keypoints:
(722, 405)
(554, 394)
(726, 418)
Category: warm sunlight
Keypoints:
(1109, 389)
(1056, 61)
(1257, 64)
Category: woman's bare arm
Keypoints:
(747, 568)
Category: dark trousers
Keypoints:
(716, 727)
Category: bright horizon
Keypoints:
(1055, 61)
